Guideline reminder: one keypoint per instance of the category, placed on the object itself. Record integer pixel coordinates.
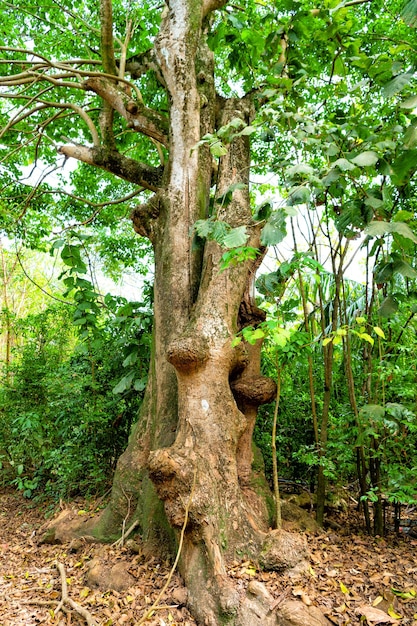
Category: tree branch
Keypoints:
(57, 105)
(139, 64)
(117, 164)
(144, 215)
(140, 118)
(212, 5)
(71, 603)
(107, 49)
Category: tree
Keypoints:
(179, 128)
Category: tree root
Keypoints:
(67, 600)
(156, 605)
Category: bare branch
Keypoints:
(56, 105)
(139, 64)
(139, 117)
(212, 5)
(67, 600)
(117, 164)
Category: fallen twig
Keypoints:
(67, 600)
(119, 543)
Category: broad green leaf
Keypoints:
(373, 411)
(365, 159)
(80, 321)
(344, 165)
(236, 237)
(378, 331)
(367, 338)
(302, 169)
(272, 235)
(404, 166)
(248, 130)
(219, 231)
(217, 149)
(301, 195)
(227, 196)
(203, 227)
(405, 269)
(410, 137)
(409, 13)
(409, 103)
(377, 229)
(375, 203)
(140, 384)
(380, 228)
(401, 228)
(397, 84)
(388, 307)
(258, 334)
(125, 383)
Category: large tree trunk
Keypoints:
(191, 449)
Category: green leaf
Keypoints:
(377, 228)
(236, 237)
(397, 84)
(380, 228)
(301, 195)
(217, 149)
(401, 228)
(226, 198)
(388, 307)
(409, 13)
(271, 234)
(366, 159)
(219, 231)
(405, 269)
(404, 166)
(373, 411)
(410, 136)
(378, 331)
(140, 384)
(203, 228)
(409, 103)
(344, 165)
(367, 338)
(248, 130)
(124, 384)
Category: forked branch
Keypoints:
(112, 161)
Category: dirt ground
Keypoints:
(353, 578)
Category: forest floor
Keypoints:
(353, 578)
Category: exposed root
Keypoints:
(155, 605)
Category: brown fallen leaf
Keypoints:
(375, 616)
